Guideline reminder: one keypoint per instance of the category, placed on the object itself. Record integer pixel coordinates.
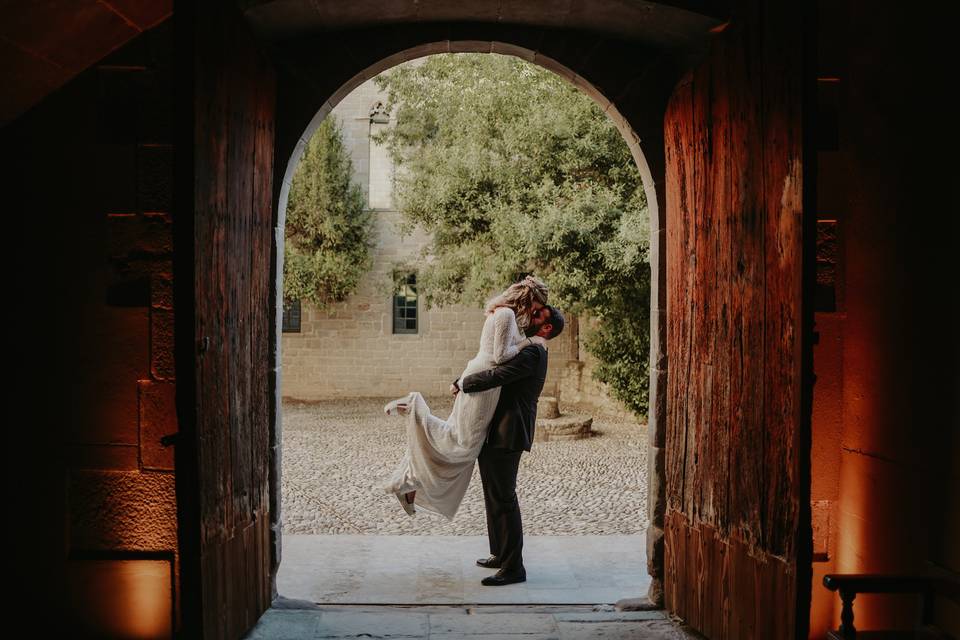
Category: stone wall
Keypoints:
(351, 350)
(92, 186)
(577, 384)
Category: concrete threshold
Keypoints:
(290, 619)
(442, 570)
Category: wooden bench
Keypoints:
(849, 585)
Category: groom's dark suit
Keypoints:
(511, 433)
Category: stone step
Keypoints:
(548, 407)
(570, 427)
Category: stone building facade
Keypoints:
(362, 347)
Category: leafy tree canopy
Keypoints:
(512, 170)
(328, 231)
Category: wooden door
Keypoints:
(736, 530)
(226, 537)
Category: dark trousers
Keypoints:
(498, 471)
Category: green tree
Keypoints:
(328, 232)
(512, 170)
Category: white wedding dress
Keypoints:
(440, 454)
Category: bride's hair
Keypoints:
(520, 297)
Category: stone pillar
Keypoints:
(657, 412)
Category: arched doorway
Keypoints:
(297, 578)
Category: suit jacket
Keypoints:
(515, 417)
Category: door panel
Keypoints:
(233, 113)
(734, 262)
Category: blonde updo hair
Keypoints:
(520, 297)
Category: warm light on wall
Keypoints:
(121, 598)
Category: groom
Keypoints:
(510, 434)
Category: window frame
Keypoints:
(286, 323)
(401, 302)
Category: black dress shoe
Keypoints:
(505, 577)
(493, 562)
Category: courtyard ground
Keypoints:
(354, 564)
(337, 454)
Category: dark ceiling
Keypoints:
(45, 43)
(670, 24)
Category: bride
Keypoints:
(438, 462)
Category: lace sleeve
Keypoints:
(507, 341)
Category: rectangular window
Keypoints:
(291, 316)
(405, 304)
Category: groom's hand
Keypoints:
(454, 389)
(522, 365)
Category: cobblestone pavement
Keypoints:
(336, 455)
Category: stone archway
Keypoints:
(653, 182)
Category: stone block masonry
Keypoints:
(95, 172)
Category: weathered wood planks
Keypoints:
(734, 201)
(234, 98)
